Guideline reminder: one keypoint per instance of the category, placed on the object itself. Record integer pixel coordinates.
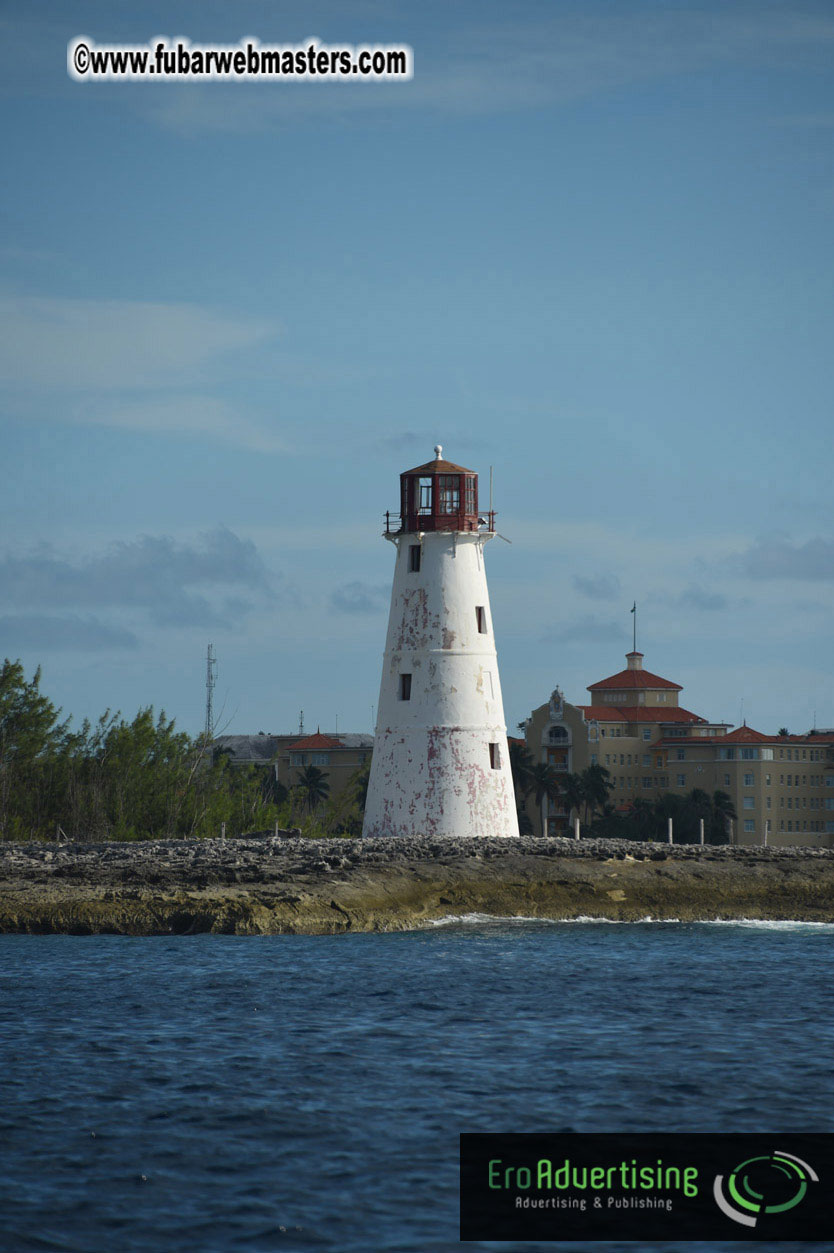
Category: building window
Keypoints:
(767, 802)
(767, 780)
(748, 779)
(726, 780)
(320, 759)
(469, 485)
(557, 733)
(296, 759)
(681, 754)
(681, 780)
(749, 802)
(480, 615)
(425, 488)
(829, 802)
(495, 756)
(766, 754)
(647, 759)
(449, 493)
(750, 825)
(748, 754)
(405, 687)
(647, 783)
(829, 780)
(647, 734)
(726, 754)
(414, 558)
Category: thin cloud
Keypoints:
(781, 559)
(182, 415)
(173, 583)
(360, 598)
(597, 587)
(489, 69)
(20, 632)
(584, 629)
(84, 345)
(699, 599)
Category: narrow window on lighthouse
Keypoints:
(449, 493)
(495, 756)
(405, 687)
(480, 614)
(414, 557)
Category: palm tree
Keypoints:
(723, 810)
(573, 792)
(521, 766)
(641, 818)
(544, 783)
(596, 788)
(313, 786)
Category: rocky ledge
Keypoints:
(263, 885)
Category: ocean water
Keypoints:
(209, 1094)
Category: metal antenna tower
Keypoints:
(301, 723)
(211, 665)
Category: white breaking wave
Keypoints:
(762, 924)
(449, 920)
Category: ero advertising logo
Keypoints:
(772, 1184)
(569, 1186)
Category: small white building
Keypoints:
(440, 763)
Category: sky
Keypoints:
(589, 245)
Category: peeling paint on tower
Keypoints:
(440, 764)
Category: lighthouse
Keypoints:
(440, 764)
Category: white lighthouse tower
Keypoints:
(440, 763)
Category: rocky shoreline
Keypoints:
(266, 885)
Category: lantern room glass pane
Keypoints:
(425, 490)
(449, 485)
(470, 496)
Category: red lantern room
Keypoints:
(439, 496)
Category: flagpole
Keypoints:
(634, 611)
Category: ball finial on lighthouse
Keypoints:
(441, 763)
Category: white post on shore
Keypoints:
(669, 829)
(767, 826)
(702, 830)
(276, 828)
(222, 830)
(576, 827)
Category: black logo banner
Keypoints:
(572, 1186)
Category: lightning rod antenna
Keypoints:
(211, 665)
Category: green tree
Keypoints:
(522, 767)
(31, 742)
(723, 810)
(312, 786)
(572, 791)
(596, 789)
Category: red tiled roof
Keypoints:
(633, 679)
(315, 741)
(638, 713)
(746, 735)
(741, 735)
(439, 467)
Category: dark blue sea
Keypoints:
(210, 1094)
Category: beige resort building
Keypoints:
(782, 787)
(337, 755)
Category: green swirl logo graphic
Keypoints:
(763, 1185)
